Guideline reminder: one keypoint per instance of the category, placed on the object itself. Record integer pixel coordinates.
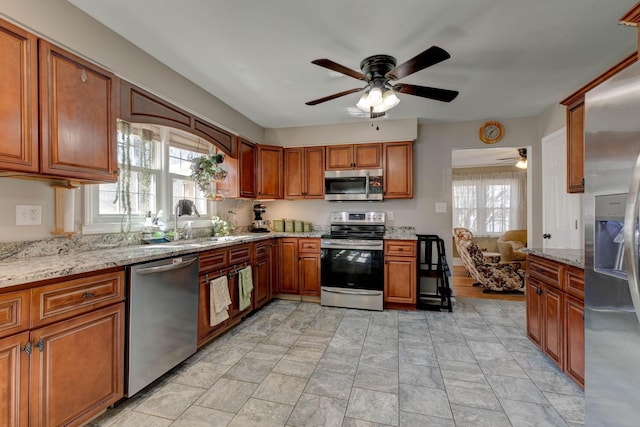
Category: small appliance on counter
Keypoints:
(259, 225)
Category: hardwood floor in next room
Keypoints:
(462, 286)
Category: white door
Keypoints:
(562, 212)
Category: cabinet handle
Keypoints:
(27, 348)
(40, 345)
(88, 295)
(538, 291)
(83, 76)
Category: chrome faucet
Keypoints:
(184, 207)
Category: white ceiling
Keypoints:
(509, 58)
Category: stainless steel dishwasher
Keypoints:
(163, 318)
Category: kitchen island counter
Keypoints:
(574, 257)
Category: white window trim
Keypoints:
(102, 224)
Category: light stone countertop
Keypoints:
(20, 271)
(26, 270)
(574, 257)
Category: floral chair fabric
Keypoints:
(463, 235)
(494, 277)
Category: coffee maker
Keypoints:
(259, 225)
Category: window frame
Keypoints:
(96, 223)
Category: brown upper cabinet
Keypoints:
(575, 104)
(354, 156)
(74, 137)
(304, 173)
(247, 156)
(19, 100)
(78, 109)
(398, 170)
(270, 179)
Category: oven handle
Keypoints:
(350, 292)
(352, 245)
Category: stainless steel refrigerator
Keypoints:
(612, 297)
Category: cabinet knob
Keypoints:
(546, 236)
(40, 345)
(27, 348)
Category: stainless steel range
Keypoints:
(352, 261)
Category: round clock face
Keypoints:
(491, 132)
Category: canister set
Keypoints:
(291, 226)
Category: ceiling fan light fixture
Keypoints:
(522, 163)
(378, 101)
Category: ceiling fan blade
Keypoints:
(334, 96)
(429, 57)
(444, 95)
(327, 63)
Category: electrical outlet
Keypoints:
(28, 215)
(390, 216)
(441, 207)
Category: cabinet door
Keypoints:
(77, 367)
(247, 168)
(534, 311)
(553, 327)
(574, 338)
(270, 183)
(314, 172)
(294, 172)
(77, 117)
(14, 386)
(398, 170)
(339, 157)
(400, 280)
(575, 147)
(288, 266)
(309, 265)
(205, 330)
(19, 100)
(262, 275)
(367, 156)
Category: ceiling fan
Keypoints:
(521, 158)
(378, 71)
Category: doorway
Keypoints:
(490, 195)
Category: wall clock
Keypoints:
(491, 132)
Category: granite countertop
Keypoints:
(25, 270)
(574, 257)
(33, 269)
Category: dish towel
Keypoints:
(219, 300)
(245, 286)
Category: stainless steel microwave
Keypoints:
(356, 185)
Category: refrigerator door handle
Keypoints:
(630, 240)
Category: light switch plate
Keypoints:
(28, 215)
(390, 215)
(441, 207)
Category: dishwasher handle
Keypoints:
(176, 264)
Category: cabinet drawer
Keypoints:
(212, 260)
(400, 247)
(73, 297)
(261, 249)
(309, 246)
(574, 282)
(14, 313)
(548, 271)
(238, 254)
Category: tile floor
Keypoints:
(300, 364)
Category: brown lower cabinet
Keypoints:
(555, 313)
(400, 272)
(263, 271)
(299, 266)
(212, 264)
(67, 370)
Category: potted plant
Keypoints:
(206, 169)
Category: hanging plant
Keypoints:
(206, 170)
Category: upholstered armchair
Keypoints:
(461, 235)
(494, 277)
(510, 245)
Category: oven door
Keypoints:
(352, 267)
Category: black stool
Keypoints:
(432, 266)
